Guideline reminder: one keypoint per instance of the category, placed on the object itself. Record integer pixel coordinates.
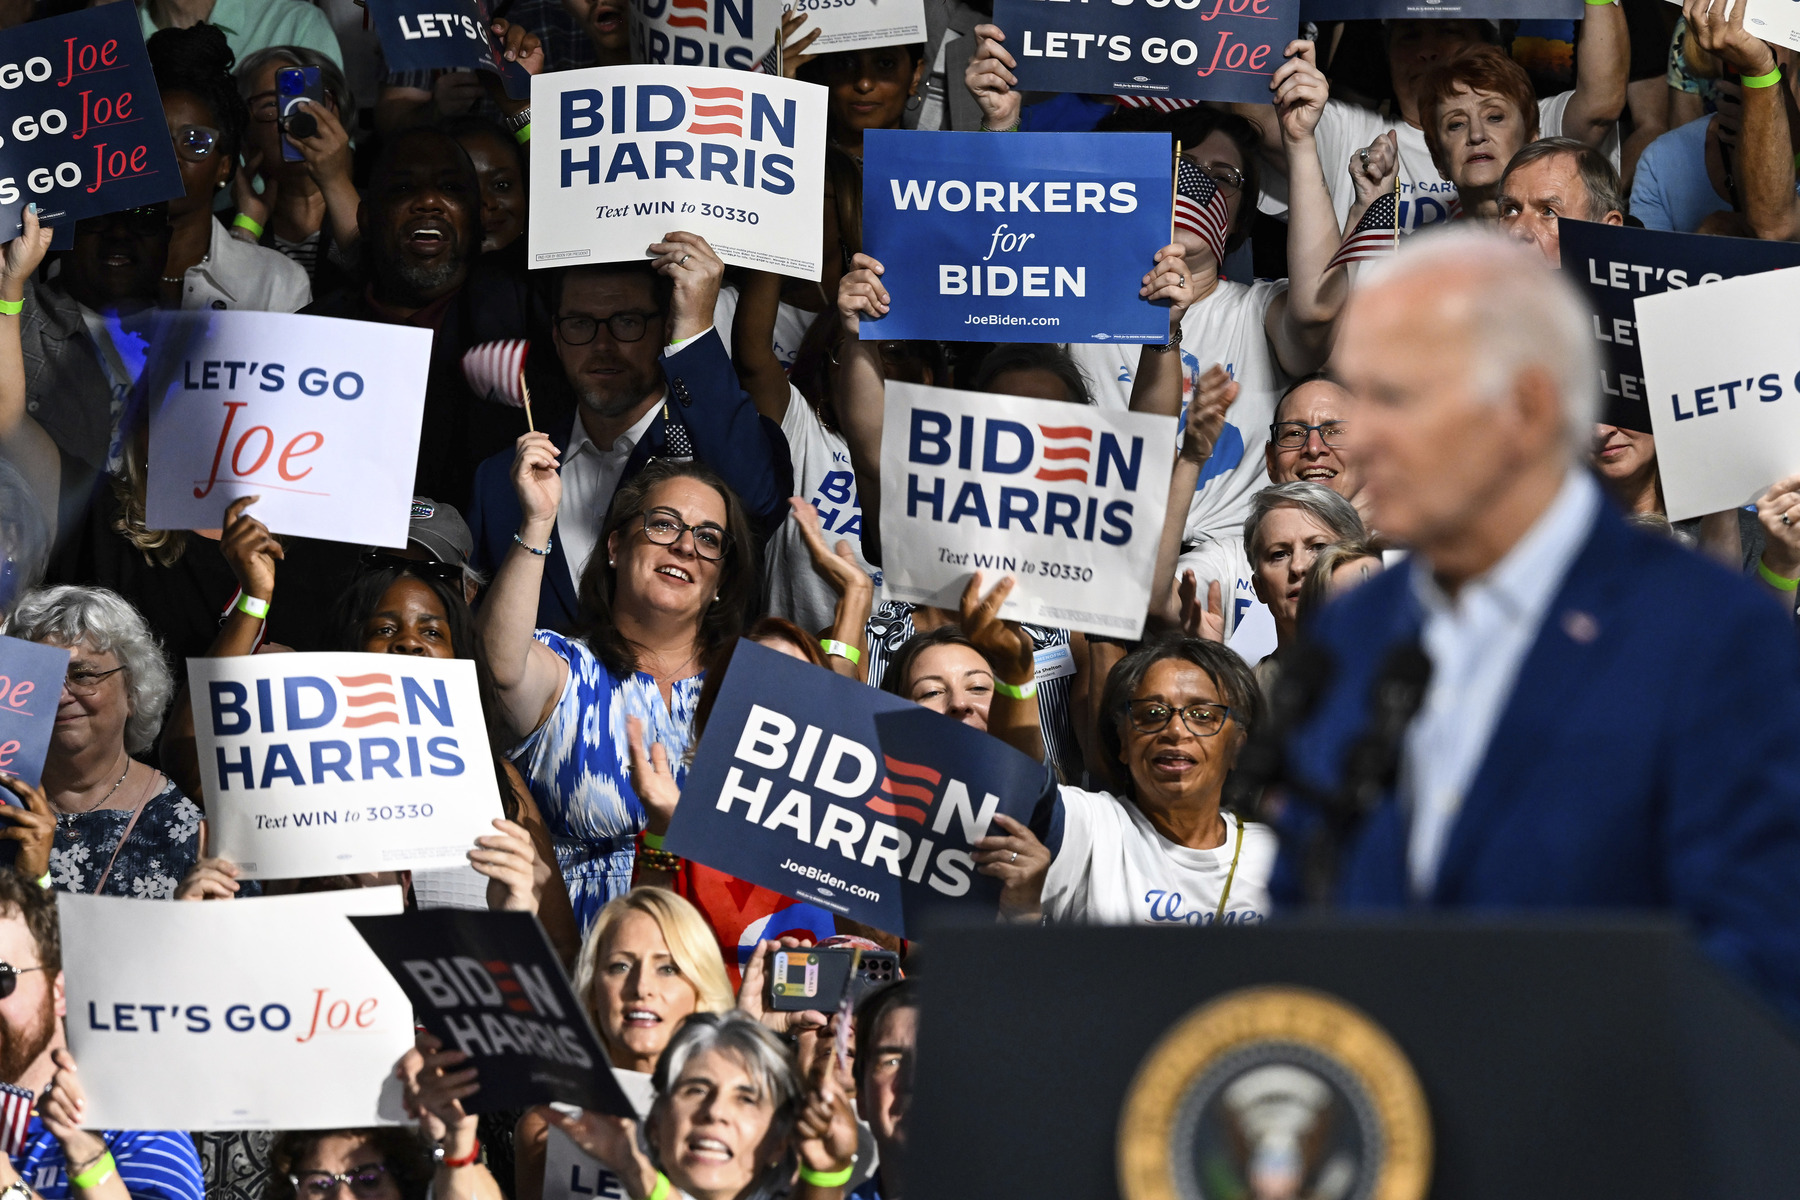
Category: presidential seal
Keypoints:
(1275, 1093)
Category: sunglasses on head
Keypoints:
(9, 978)
(427, 568)
(364, 1181)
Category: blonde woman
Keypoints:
(649, 962)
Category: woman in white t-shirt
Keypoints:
(1477, 111)
(1161, 851)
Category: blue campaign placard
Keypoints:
(1017, 237)
(1403, 10)
(83, 132)
(31, 681)
(1616, 264)
(442, 35)
(843, 796)
(1223, 50)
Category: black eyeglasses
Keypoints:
(624, 327)
(143, 222)
(429, 568)
(86, 683)
(195, 142)
(1291, 435)
(9, 978)
(363, 1181)
(1228, 179)
(1153, 716)
(664, 526)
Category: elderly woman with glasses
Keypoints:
(120, 827)
(664, 596)
(385, 1163)
(1162, 849)
(207, 268)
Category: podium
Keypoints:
(1589, 1058)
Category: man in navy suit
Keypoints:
(652, 379)
(1611, 721)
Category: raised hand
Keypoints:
(1214, 393)
(825, 1134)
(1301, 91)
(535, 478)
(327, 152)
(1718, 27)
(756, 981)
(1204, 621)
(32, 827)
(1169, 281)
(515, 874)
(689, 262)
(1373, 168)
(837, 566)
(652, 778)
(518, 44)
(612, 1140)
(250, 549)
(1003, 643)
(861, 296)
(1778, 510)
(793, 53)
(23, 255)
(432, 1091)
(990, 79)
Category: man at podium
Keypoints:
(1609, 721)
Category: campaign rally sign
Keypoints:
(799, 790)
(1722, 368)
(488, 984)
(254, 1014)
(31, 680)
(337, 763)
(1617, 264)
(624, 155)
(1224, 50)
(1066, 499)
(318, 416)
(857, 24)
(1030, 237)
(1772, 21)
(1402, 10)
(433, 35)
(83, 130)
(704, 33)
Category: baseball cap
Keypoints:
(441, 531)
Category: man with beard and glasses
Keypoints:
(52, 1157)
(420, 222)
(651, 379)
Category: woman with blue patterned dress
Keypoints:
(667, 590)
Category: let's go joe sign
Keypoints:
(318, 416)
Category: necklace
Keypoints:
(684, 666)
(109, 795)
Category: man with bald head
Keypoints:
(1611, 721)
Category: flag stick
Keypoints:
(525, 390)
(1396, 207)
(1174, 188)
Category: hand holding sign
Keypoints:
(32, 826)
(250, 550)
(1020, 862)
(1301, 91)
(793, 53)
(989, 77)
(825, 1134)
(433, 1089)
(690, 264)
(612, 1140)
(1778, 509)
(24, 254)
(1170, 282)
(861, 296)
(1718, 28)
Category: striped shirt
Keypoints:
(160, 1163)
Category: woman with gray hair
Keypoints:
(119, 826)
(1287, 526)
(733, 1119)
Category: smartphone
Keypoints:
(815, 980)
(297, 88)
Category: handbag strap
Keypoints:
(126, 836)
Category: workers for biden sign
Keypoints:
(1065, 498)
(1028, 237)
(625, 155)
(318, 416)
(331, 764)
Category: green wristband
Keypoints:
(662, 1189)
(522, 135)
(249, 223)
(842, 650)
(250, 606)
(96, 1174)
(12, 308)
(1762, 81)
(1017, 693)
(824, 1178)
(1780, 583)
(653, 840)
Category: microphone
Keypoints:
(1307, 669)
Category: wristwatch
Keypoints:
(16, 1190)
(517, 121)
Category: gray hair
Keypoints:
(767, 1060)
(75, 616)
(1316, 500)
(1520, 314)
(1605, 192)
(330, 74)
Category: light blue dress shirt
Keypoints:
(1477, 643)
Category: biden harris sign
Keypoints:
(1024, 237)
(804, 784)
(625, 155)
(1067, 499)
(333, 764)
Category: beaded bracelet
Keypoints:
(544, 553)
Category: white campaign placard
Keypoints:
(265, 1013)
(1772, 21)
(333, 764)
(1722, 372)
(625, 155)
(318, 416)
(855, 24)
(1067, 499)
(703, 33)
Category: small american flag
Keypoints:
(15, 1116)
(1200, 207)
(494, 370)
(771, 62)
(1376, 235)
(1159, 103)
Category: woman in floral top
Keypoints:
(120, 827)
(667, 589)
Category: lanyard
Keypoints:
(1225, 895)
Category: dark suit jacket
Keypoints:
(707, 407)
(1648, 756)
